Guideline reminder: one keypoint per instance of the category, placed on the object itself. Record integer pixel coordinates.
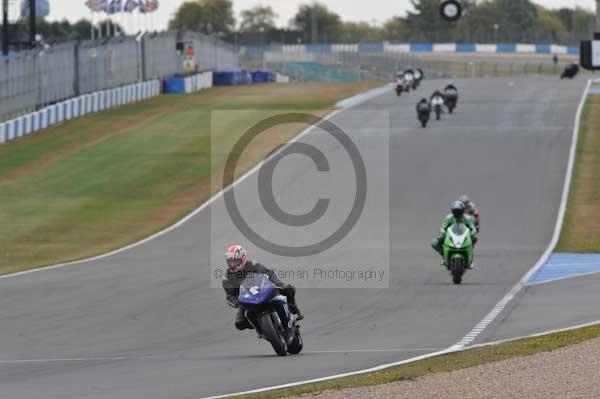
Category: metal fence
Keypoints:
(32, 79)
(384, 65)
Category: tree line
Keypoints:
(491, 21)
(485, 21)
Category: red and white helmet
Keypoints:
(236, 258)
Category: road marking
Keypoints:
(566, 265)
(373, 350)
(491, 316)
(561, 278)
(369, 370)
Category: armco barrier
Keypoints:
(76, 107)
(416, 48)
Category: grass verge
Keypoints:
(445, 363)
(109, 179)
(581, 231)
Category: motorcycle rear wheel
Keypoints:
(297, 344)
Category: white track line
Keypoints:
(461, 345)
(414, 359)
(491, 316)
(373, 350)
(362, 98)
(369, 370)
(502, 341)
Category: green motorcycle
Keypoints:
(458, 250)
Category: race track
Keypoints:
(146, 324)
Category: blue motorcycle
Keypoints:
(268, 313)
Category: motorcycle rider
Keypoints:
(470, 209)
(400, 79)
(456, 216)
(409, 75)
(437, 98)
(451, 89)
(238, 268)
(423, 107)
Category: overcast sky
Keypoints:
(351, 10)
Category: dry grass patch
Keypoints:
(109, 179)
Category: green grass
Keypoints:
(581, 231)
(103, 181)
(444, 363)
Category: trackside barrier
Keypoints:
(76, 107)
(416, 48)
(263, 76)
(188, 84)
(281, 78)
(231, 77)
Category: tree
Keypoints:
(258, 17)
(485, 23)
(58, 31)
(519, 19)
(566, 17)
(583, 24)
(426, 22)
(205, 16)
(549, 26)
(356, 32)
(395, 29)
(317, 23)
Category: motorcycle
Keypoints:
(570, 71)
(409, 77)
(424, 118)
(419, 74)
(458, 250)
(415, 84)
(268, 313)
(399, 88)
(451, 100)
(437, 103)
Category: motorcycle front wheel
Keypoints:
(272, 334)
(458, 269)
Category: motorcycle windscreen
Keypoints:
(459, 234)
(256, 289)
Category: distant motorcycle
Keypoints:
(399, 87)
(451, 100)
(437, 102)
(458, 251)
(570, 71)
(409, 76)
(423, 112)
(423, 118)
(419, 74)
(268, 313)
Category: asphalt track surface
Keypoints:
(146, 323)
(553, 305)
